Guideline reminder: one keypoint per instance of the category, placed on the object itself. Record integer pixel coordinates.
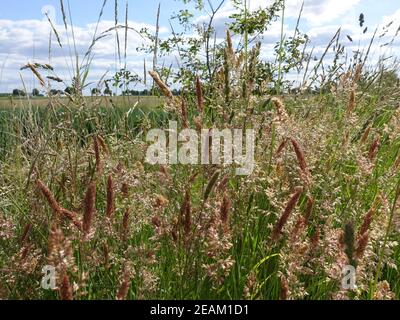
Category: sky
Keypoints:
(25, 31)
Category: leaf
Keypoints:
(262, 261)
(350, 38)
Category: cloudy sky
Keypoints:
(25, 31)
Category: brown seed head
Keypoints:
(163, 87)
(352, 101)
(374, 148)
(66, 291)
(300, 156)
(110, 197)
(366, 222)
(361, 245)
(89, 208)
(286, 213)
(97, 154)
(199, 95)
(225, 209)
(284, 292)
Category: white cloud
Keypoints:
(25, 41)
(315, 12)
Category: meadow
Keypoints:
(77, 195)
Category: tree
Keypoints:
(55, 92)
(18, 93)
(35, 92)
(95, 92)
(108, 92)
(69, 90)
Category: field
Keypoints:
(318, 217)
(142, 102)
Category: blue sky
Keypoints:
(87, 11)
(83, 11)
(24, 34)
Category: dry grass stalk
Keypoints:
(357, 73)
(25, 233)
(225, 209)
(161, 202)
(349, 243)
(227, 78)
(54, 30)
(300, 156)
(284, 291)
(280, 108)
(103, 145)
(286, 213)
(163, 87)
(72, 216)
(63, 14)
(361, 245)
(396, 164)
(374, 148)
(36, 73)
(229, 45)
(366, 222)
(281, 147)
(352, 101)
(125, 190)
(223, 184)
(314, 240)
(89, 208)
(365, 135)
(125, 285)
(96, 149)
(57, 209)
(49, 196)
(125, 224)
(106, 253)
(184, 112)
(211, 184)
(309, 209)
(185, 218)
(110, 198)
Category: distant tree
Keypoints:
(35, 92)
(108, 92)
(18, 92)
(95, 91)
(69, 90)
(55, 92)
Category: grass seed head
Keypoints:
(89, 208)
(286, 213)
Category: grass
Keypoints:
(78, 195)
(234, 259)
(143, 101)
